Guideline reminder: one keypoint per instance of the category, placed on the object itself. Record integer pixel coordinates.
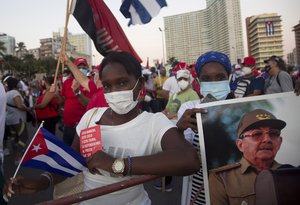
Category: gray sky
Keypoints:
(31, 20)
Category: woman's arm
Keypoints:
(20, 105)
(178, 158)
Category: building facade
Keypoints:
(297, 39)
(51, 47)
(9, 43)
(264, 37)
(218, 27)
(82, 43)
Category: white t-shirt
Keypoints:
(13, 114)
(171, 85)
(138, 137)
(2, 117)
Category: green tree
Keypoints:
(29, 65)
(172, 61)
(21, 49)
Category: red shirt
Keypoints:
(49, 111)
(97, 100)
(73, 110)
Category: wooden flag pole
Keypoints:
(63, 44)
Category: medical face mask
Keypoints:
(218, 89)
(247, 70)
(64, 78)
(238, 72)
(183, 84)
(84, 71)
(121, 102)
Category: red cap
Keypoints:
(249, 61)
(79, 61)
(180, 66)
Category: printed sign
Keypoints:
(90, 141)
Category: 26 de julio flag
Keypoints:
(47, 152)
(99, 23)
(141, 11)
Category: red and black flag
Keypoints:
(99, 23)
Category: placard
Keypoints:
(90, 141)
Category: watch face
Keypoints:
(119, 166)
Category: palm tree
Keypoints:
(21, 49)
(2, 48)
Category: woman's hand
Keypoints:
(188, 119)
(99, 160)
(20, 185)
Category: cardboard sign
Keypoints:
(90, 141)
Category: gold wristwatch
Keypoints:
(118, 166)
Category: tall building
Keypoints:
(82, 43)
(218, 27)
(297, 39)
(51, 47)
(9, 43)
(264, 37)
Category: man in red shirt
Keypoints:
(76, 99)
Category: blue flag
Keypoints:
(141, 11)
(47, 152)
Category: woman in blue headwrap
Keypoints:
(213, 69)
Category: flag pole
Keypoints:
(63, 44)
(41, 125)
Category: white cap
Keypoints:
(183, 74)
(146, 72)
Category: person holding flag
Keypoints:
(131, 142)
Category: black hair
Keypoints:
(130, 63)
(280, 62)
(11, 83)
(49, 79)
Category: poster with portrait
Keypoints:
(218, 130)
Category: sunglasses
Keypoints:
(259, 134)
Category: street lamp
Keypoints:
(163, 42)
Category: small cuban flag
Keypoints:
(47, 152)
(141, 11)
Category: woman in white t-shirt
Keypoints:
(16, 116)
(133, 143)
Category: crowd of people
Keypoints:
(145, 115)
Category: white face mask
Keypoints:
(238, 72)
(121, 102)
(247, 70)
(218, 89)
(183, 84)
(64, 78)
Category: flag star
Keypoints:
(36, 148)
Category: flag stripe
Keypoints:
(47, 152)
(141, 11)
(42, 164)
(70, 159)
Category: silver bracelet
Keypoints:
(49, 176)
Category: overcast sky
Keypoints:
(30, 20)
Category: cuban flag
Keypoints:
(141, 11)
(47, 152)
(270, 30)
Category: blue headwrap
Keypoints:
(213, 56)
